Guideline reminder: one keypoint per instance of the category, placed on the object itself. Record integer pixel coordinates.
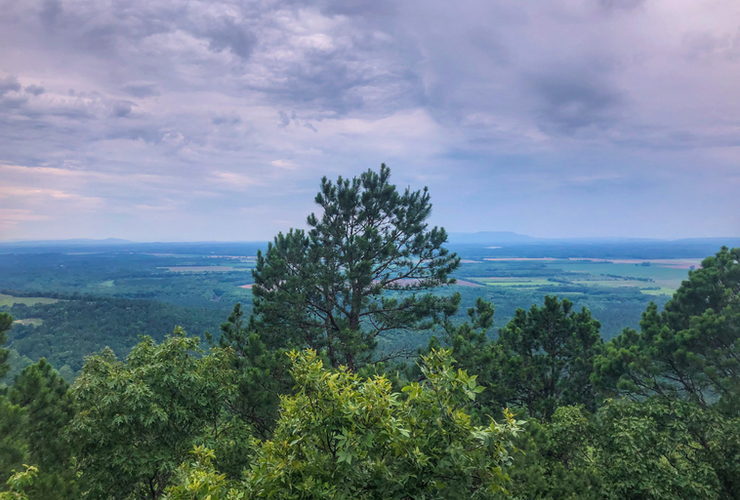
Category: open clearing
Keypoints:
(467, 283)
(203, 269)
(9, 300)
(30, 321)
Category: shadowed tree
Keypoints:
(548, 356)
(6, 321)
(46, 409)
(259, 374)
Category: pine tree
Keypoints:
(689, 350)
(6, 321)
(365, 268)
(548, 357)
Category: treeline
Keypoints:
(296, 401)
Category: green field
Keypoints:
(9, 300)
(654, 279)
(513, 282)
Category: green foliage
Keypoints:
(136, 420)
(328, 289)
(655, 449)
(542, 359)
(260, 375)
(200, 480)
(6, 321)
(475, 352)
(645, 452)
(548, 355)
(691, 349)
(343, 437)
(554, 462)
(12, 445)
(44, 408)
(18, 483)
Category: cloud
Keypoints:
(570, 103)
(122, 109)
(226, 105)
(50, 11)
(15, 215)
(9, 84)
(235, 36)
(141, 89)
(35, 89)
(226, 119)
(286, 164)
(233, 180)
(621, 4)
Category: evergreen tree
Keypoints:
(691, 349)
(6, 321)
(365, 267)
(46, 409)
(547, 357)
(260, 375)
(474, 351)
(13, 446)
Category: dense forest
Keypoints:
(68, 330)
(307, 392)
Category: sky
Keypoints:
(171, 120)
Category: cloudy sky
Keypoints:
(175, 120)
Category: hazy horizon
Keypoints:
(454, 239)
(201, 120)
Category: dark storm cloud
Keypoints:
(122, 109)
(572, 102)
(141, 89)
(234, 104)
(50, 11)
(364, 8)
(621, 4)
(232, 119)
(149, 135)
(9, 84)
(35, 89)
(236, 37)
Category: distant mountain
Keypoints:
(490, 238)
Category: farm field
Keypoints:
(658, 277)
(10, 300)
